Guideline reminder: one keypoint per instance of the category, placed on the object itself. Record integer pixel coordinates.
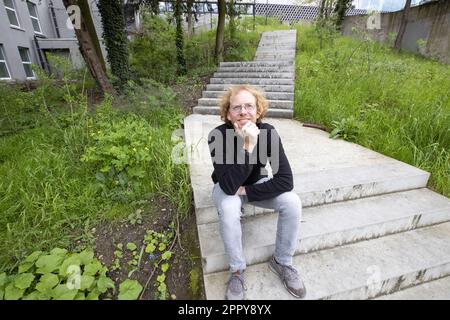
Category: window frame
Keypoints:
(5, 62)
(29, 62)
(13, 9)
(34, 17)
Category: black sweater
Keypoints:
(232, 174)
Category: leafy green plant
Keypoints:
(347, 129)
(118, 254)
(135, 217)
(157, 244)
(119, 150)
(58, 275)
(129, 290)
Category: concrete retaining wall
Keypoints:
(429, 22)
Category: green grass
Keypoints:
(51, 198)
(398, 103)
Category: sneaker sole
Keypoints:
(284, 283)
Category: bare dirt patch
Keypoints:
(184, 279)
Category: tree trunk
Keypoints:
(322, 8)
(115, 38)
(179, 41)
(190, 21)
(154, 6)
(403, 23)
(220, 30)
(90, 46)
(340, 9)
(232, 15)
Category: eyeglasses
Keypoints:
(247, 106)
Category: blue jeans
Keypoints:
(289, 208)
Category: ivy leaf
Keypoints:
(13, 293)
(86, 256)
(104, 283)
(150, 248)
(34, 256)
(80, 296)
(131, 246)
(61, 292)
(86, 282)
(162, 246)
(48, 263)
(166, 255)
(92, 268)
(161, 278)
(24, 280)
(164, 267)
(58, 252)
(36, 295)
(3, 278)
(129, 290)
(47, 282)
(93, 295)
(162, 287)
(24, 267)
(74, 260)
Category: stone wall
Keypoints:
(428, 24)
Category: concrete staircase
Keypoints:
(370, 227)
(272, 70)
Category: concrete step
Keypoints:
(275, 46)
(269, 95)
(273, 56)
(277, 41)
(256, 63)
(361, 270)
(432, 290)
(256, 81)
(331, 225)
(327, 186)
(281, 37)
(277, 104)
(271, 112)
(265, 75)
(257, 69)
(273, 50)
(266, 88)
(325, 170)
(285, 31)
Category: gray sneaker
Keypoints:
(236, 287)
(290, 278)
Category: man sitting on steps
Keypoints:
(240, 149)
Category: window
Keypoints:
(34, 16)
(4, 71)
(11, 12)
(26, 61)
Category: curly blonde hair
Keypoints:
(261, 101)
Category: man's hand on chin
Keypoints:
(241, 191)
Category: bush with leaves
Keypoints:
(153, 51)
(57, 275)
(119, 149)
